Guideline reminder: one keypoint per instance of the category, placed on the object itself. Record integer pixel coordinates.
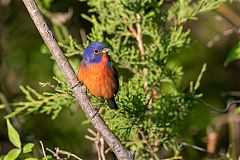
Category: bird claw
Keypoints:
(97, 111)
(79, 83)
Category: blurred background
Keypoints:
(23, 62)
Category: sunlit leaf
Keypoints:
(2, 106)
(47, 3)
(31, 159)
(12, 154)
(28, 148)
(13, 135)
(234, 55)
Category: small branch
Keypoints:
(59, 152)
(234, 127)
(202, 150)
(212, 137)
(8, 109)
(97, 146)
(151, 149)
(97, 139)
(102, 147)
(198, 148)
(174, 158)
(231, 93)
(194, 147)
(43, 150)
(137, 34)
(217, 110)
(79, 91)
(139, 38)
(230, 15)
(67, 153)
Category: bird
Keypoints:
(97, 73)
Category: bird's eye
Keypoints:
(96, 51)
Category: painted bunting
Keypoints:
(97, 73)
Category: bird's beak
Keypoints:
(105, 50)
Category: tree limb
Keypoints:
(79, 91)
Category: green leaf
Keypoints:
(2, 106)
(12, 154)
(13, 135)
(28, 148)
(197, 83)
(47, 3)
(31, 159)
(234, 54)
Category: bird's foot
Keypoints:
(97, 111)
(79, 83)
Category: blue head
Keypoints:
(93, 52)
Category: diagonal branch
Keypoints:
(79, 91)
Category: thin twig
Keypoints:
(212, 137)
(79, 91)
(92, 132)
(68, 154)
(43, 150)
(217, 110)
(107, 150)
(8, 109)
(197, 148)
(231, 93)
(59, 152)
(174, 158)
(234, 128)
(53, 153)
(97, 146)
(233, 19)
(102, 147)
(90, 138)
(152, 151)
(97, 139)
(137, 34)
(139, 37)
(230, 15)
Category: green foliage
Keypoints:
(2, 106)
(70, 47)
(194, 87)
(28, 148)
(234, 55)
(152, 102)
(183, 10)
(12, 154)
(143, 35)
(13, 135)
(15, 140)
(49, 103)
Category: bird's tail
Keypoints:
(112, 104)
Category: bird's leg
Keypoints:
(79, 83)
(98, 108)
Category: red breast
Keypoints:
(99, 78)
